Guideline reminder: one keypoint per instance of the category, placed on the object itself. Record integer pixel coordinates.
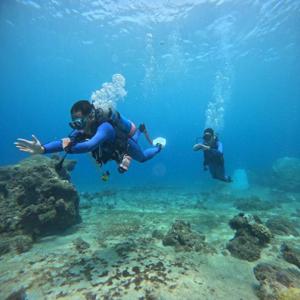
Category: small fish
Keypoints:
(105, 176)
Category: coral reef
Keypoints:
(282, 226)
(253, 203)
(119, 254)
(291, 254)
(35, 200)
(183, 238)
(134, 251)
(276, 282)
(290, 294)
(250, 237)
(286, 174)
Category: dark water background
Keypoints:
(53, 53)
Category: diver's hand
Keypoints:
(204, 147)
(200, 147)
(32, 147)
(197, 147)
(66, 142)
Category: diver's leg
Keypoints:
(137, 135)
(212, 170)
(136, 152)
(220, 173)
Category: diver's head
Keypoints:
(82, 114)
(208, 135)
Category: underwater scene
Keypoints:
(150, 149)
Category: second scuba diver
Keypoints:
(213, 155)
(106, 134)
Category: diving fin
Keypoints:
(160, 141)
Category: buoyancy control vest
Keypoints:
(111, 150)
(212, 157)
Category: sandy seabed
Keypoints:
(116, 252)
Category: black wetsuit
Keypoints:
(214, 160)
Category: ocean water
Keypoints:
(176, 57)
(188, 64)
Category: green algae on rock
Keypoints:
(250, 237)
(183, 238)
(291, 254)
(35, 200)
(282, 226)
(275, 281)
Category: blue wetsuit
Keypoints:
(214, 159)
(105, 133)
(136, 152)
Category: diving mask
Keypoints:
(207, 137)
(78, 123)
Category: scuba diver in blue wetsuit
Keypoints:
(106, 134)
(213, 155)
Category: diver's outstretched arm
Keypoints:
(36, 147)
(105, 132)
